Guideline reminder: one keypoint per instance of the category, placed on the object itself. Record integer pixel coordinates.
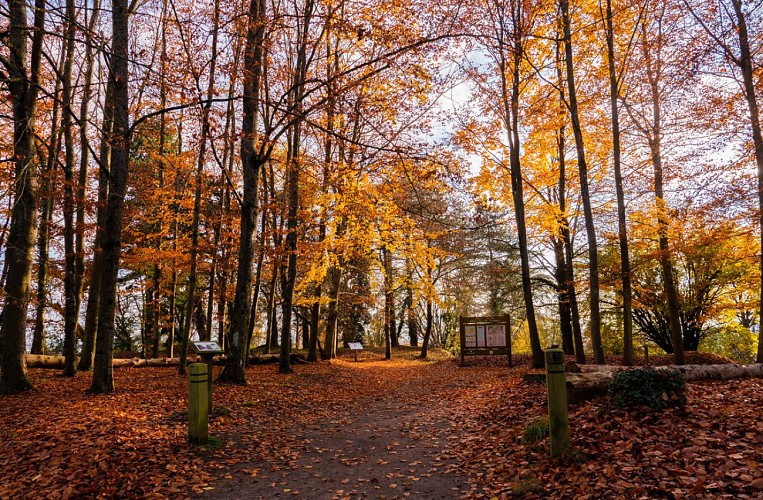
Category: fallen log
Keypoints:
(57, 362)
(594, 380)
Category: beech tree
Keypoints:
(22, 76)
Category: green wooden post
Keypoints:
(556, 384)
(197, 404)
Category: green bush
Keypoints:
(648, 387)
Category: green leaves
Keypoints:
(648, 387)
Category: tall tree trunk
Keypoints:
(510, 101)
(46, 212)
(252, 163)
(413, 325)
(103, 380)
(96, 267)
(569, 272)
(70, 291)
(292, 184)
(746, 64)
(593, 252)
(84, 112)
(194, 256)
(23, 83)
(562, 296)
(653, 60)
(622, 231)
(427, 331)
(389, 302)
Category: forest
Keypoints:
(297, 175)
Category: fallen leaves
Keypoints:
(61, 441)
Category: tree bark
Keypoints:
(652, 57)
(593, 252)
(103, 379)
(746, 64)
(252, 163)
(70, 287)
(24, 86)
(622, 231)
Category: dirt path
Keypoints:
(395, 444)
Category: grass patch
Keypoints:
(526, 487)
(536, 431)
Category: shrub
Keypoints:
(656, 389)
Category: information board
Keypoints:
(485, 336)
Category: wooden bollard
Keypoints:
(556, 385)
(197, 404)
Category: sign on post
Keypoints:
(207, 351)
(355, 347)
(485, 336)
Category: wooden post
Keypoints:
(197, 404)
(461, 334)
(556, 384)
(508, 338)
(209, 361)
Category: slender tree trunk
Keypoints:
(569, 272)
(70, 291)
(389, 302)
(653, 62)
(23, 83)
(746, 65)
(43, 237)
(593, 252)
(413, 326)
(252, 163)
(511, 119)
(103, 380)
(84, 112)
(194, 256)
(427, 331)
(622, 231)
(96, 267)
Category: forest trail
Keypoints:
(394, 440)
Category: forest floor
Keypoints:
(404, 428)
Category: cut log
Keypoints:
(57, 362)
(595, 379)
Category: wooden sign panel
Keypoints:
(485, 336)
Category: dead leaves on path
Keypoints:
(59, 441)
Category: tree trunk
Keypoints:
(564, 227)
(103, 380)
(622, 231)
(427, 331)
(413, 326)
(510, 101)
(252, 163)
(96, 267)
(24, 85)
(70, 287)
(593, 252)
(46, 212)
(746, 65)
(654, 71)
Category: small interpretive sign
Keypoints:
(207, 348)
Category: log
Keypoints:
(594, 380)
(57, 362)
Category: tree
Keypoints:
(593, 258)
(103, 380)
(23, 79)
